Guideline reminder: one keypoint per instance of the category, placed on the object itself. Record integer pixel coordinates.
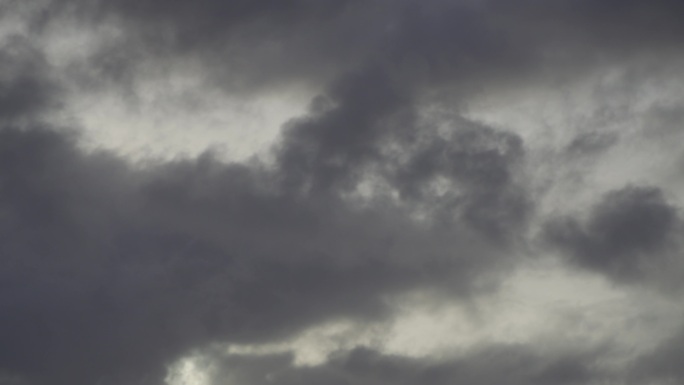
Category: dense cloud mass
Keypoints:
(416, 172)
(632, 231)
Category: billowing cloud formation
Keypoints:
(111, 270)
(119, 270)
(629, 234)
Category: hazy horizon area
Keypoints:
(341, 192)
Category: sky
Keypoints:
(341, 192)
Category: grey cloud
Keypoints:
(26, 88)
(480, 167)
(113, 272)
(241, 45)
(487, 366)
(347, 141)
(110, 272)
(627, 234)
(591, 143)
(329, 146)
(474, 45)
(663, 363)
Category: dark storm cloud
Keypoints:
(348, 136)
(109, 273)
(478, 169)
(628, 234)
(329, 148)
(515, 365)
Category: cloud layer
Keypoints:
(113, 270)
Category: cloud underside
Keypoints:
(112, 270)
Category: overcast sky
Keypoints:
(341, 192)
